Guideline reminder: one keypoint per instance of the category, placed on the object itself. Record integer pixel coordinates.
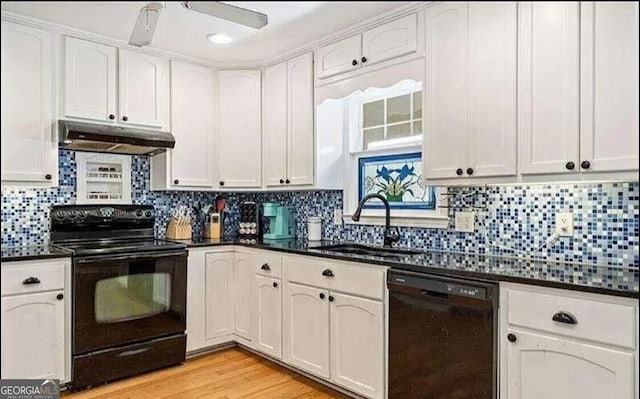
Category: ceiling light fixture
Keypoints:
(219, 38)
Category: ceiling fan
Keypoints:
(148, 17)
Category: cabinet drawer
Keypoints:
(597, 321)
(22, 278)
(268, 264)
(347, 277)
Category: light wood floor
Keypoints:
(229, 374)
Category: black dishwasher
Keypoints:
(442, 337)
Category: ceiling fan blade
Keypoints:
(231, 13)
(145, 25)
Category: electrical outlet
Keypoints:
(465, 222)
(337, 216)
(564, 224)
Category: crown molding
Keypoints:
(350, 31)
(334, 37)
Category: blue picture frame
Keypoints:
(394, 181)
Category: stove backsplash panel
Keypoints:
(606, 216)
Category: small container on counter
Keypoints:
(314, 230)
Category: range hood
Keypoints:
(92, 137)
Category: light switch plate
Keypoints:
(337, 216)
(564, 224)
(465, 222)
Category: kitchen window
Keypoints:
(392, 121)
(385, 157)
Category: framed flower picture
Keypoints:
(396, 177)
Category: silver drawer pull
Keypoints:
(133, 352)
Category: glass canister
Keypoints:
(314, 228)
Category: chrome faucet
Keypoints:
(389, 237)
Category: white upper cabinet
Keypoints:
(144, 89)
(470, 58)
(89, 80)
(339, 57)
(578, 87)
(548, 87)
(275, 125)
(445, 90)
(384, 42)
(491, 88)
(239, 144)
(288, 123)
(91, 88)
(300, 120)
(190, 164)
(609, 90)
(29, 148)
(390, 40)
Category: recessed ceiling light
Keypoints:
(219, 38)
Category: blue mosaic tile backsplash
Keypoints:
(520, 218)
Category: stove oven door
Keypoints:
(123, 299)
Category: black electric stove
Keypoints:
(128, 291)
(105, 247)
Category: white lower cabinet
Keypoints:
(588, 353)
(306, 330)
(33, 336)
(219, 294)
(242, 276)
(35, 317)
(357, 344)
(268, 316)
(336, 335)
(547, 367)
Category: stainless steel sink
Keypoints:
(368, 250)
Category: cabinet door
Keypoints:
(445, 145)
(339, 57)
(268, 316)
(219, 295)
(239, 141)
(306, 329)
(357, 344)
(609, 92)
(300, 111)
(195, 301)
(390, 40)
(544, 367)
(548, 87)
(89, 80)
(191, 125)
(275, 125)
(144, 89)
(243, 283)
(29, 150)
(33, 336)
(492, 58)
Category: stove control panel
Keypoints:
(62, 215)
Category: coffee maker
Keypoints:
(281, 221)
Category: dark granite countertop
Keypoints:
(601, 279)
(33, 253)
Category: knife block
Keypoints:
(177, 231)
